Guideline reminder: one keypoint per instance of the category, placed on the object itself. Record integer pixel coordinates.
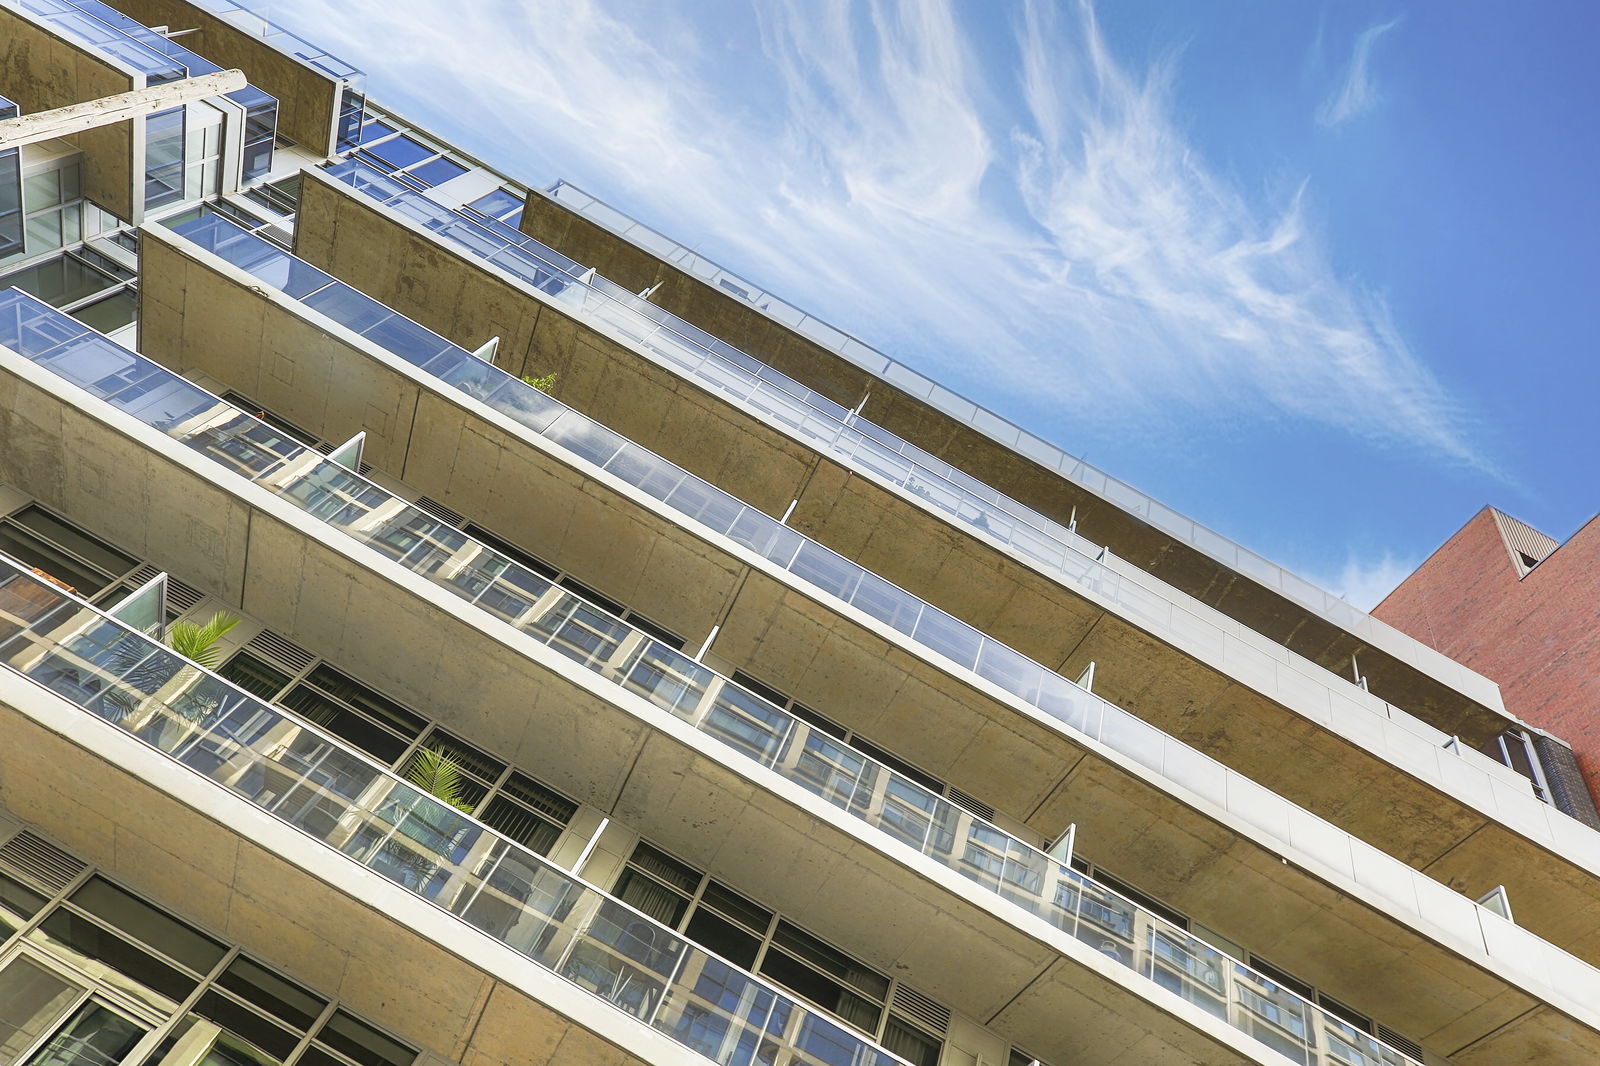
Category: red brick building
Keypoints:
(1524, 610)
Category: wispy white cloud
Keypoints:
(1358, 93)
(1030, 221)
(1364, 582)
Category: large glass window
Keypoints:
(105, 966)
(163, 158)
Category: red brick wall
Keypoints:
(1538, 637)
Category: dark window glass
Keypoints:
(1278, 977)
(339, 720)
(243, 1022)
(644, 893)
(481, 765)
(665, 868)
(284, 426)
(511, 818)
(91, 549)
(606, 604)
(830, 959)
(363, 1043)
(281, 998)
(254, 676)
(109, 314)
(25, 547)
(1127, 891)
(17, 904)
(539, 797)
(722, 937)
(661, 633)
(174, 939)
(824, 991)
(85, 937)
(733, 905)
(397, 716)
(913, 1045)
(899, 765)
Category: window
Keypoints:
(737, 928)
(164, 158)
(63, 551)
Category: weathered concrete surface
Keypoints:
(1235, 594)
(307, 101)
(327, 935)
(40, 71)
(540, 712)
(1214, 872)
(802, 647)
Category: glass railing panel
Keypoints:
(594, 640)
(1049, 455)
(833, 428)
(308, 780)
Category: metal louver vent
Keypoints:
(39, 861)
(440, 511)
(144, 574)
(286, 652)
(966, 802)
(920, 1008)
(366, 468)
(181, 597)
(1399, 1043)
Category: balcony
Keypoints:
(861, 788)
(1157, 538)
(322, 97)
(1460, 815)
(177, 419)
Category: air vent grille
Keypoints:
(440, 511)
(969, 803)
(286, 652)
(144, 574)
(181, 597)
(1400, 1043)
(920, 1008)
(40, 861)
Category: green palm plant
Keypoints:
(438, 774)
(198, 643)
(144, 674)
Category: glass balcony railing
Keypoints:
(112, 42)
(674, 682)
(1187, 531)
(1069, 705)
(1389, 732)
(320, 786)
(258, 26)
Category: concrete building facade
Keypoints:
(1516, 605)
(741, 697)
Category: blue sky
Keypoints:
(1319, 276)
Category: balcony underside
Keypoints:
(188, 844)
(41, 71)
(528, 705)
(769, 629)
(736, 322)
(307, 100)
(332, 597)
